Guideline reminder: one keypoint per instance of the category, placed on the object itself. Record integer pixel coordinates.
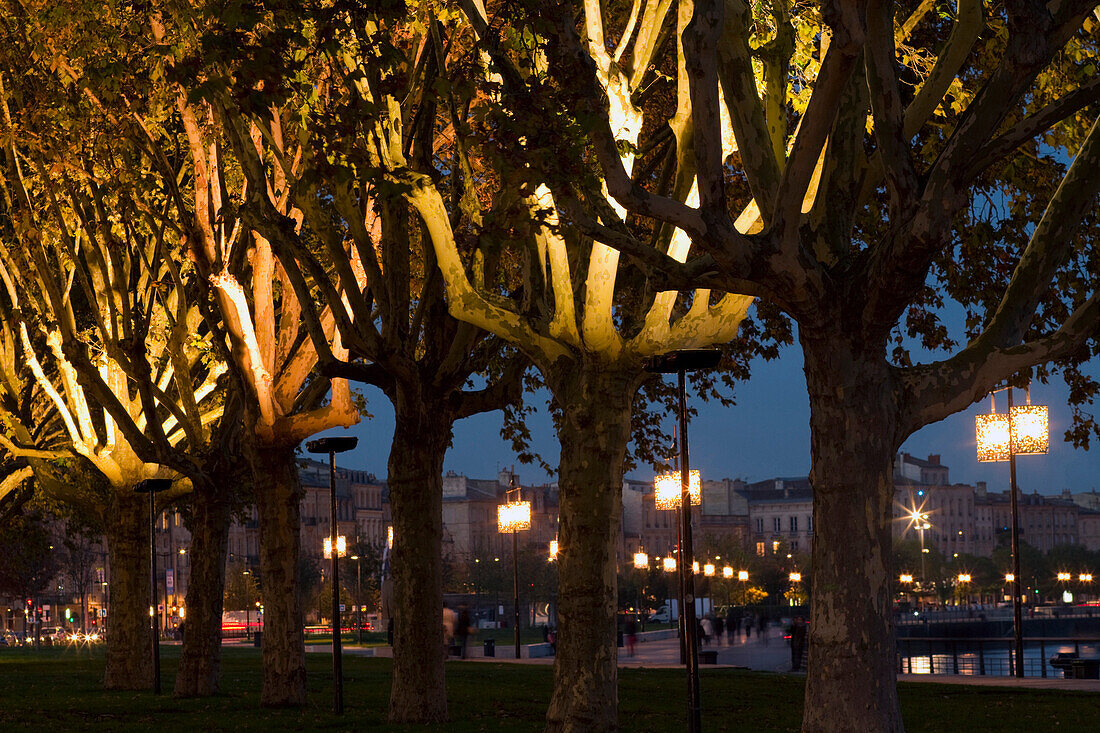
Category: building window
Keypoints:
(810, 524)
(777, 524)
(794, 545)
(761, 548)
(794, 524)
(760, 525)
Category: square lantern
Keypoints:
(641, 560)
(708, 570)
(341, 546)
(514, 516)
(553, 549)
(670, 564)
(727, 572)
(992, 433)
(1030, 430)
(667, 490)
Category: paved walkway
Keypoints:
(762, 655)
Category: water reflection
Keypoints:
(991, 661)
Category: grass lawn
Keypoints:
(58, 690)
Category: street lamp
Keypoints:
(358, 599)
(641, 560)
(906, 578)
(1023, 431)
(963, 580)
(341, 547)
(512, 517)
(553, 550)
(679, 363)
(333, 445)
(669, 564)
(152, 486)
(666, 490)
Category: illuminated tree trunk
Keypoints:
(199, 670)
(278, 501)
(853, 419)
(129, 643)
(594, 432)
(421, 436)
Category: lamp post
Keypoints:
(152, 486)
(358, 599)
(512, 517)
(1000, 437)
(332, 446)
(666, 496)
(919, 519)
(247, 610)
(680, 362)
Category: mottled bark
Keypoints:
(129, 643)
(851, 682)
(421, 436)
(278, 502)
(199, 670)
(594, 432)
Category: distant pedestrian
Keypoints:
(631, 635)
(748, 628)
(733, 625)
(762, 629)
(719, 630)
(798, 643)
(707, 629)
(462, 630)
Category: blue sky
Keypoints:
(765, 435)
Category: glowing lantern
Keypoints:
(341, 546)
(641, 560)
(668, 489)
(514, 516)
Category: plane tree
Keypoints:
(586, 320)
(357, 241)
(915, 158)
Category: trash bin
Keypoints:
(257, 637)
(708, 656)
(490, 647)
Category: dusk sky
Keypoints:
(766, 435)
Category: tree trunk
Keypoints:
(421, 435)
(593, 432)
(200, 657)
(278, 503)
(853, 441)
(129, 632)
